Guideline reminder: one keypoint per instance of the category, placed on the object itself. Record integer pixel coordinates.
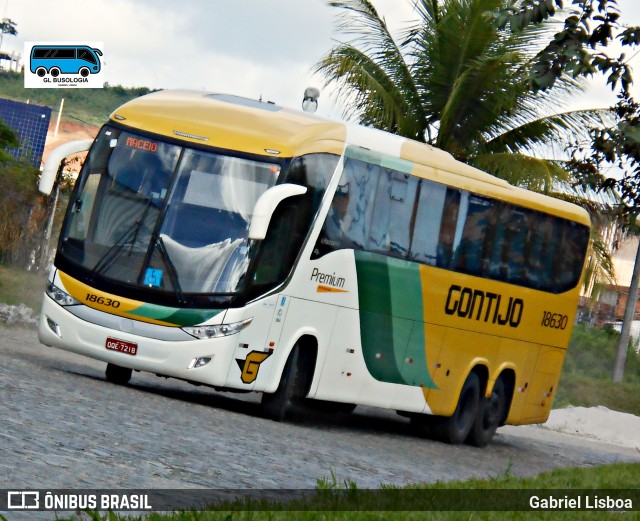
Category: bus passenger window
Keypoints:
(430, 220)
(448, 227)
(391, 217)
(348, 222)
(469, 253)
(574, 243)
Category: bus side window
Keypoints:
(469, 254)
(431, 215)
(574, 243)
(509, 245)
(395, 197)
(448, 227)
(347, 224)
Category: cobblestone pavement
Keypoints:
(63, 426)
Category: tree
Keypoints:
(458, 82)
(579, 49)
(461, 82)
(7, 26)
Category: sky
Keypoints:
(253, 48)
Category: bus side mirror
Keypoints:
(51, 167)
(267, 204)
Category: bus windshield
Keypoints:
(163, 217)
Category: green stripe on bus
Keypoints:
(391, 319)
(176, 316)
(376, 158)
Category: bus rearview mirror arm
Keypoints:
(267, 204)
(51, 167)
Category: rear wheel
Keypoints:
(490, 413)
(455, 428)
(118, 375)
(54, 71)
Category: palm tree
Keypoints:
(7, 26)
(458, 82)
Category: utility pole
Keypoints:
(629, 315)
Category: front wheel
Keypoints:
(454, 429)
(490, 413)
(118, 375)
(276, 406)
(84, 72)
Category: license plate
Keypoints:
(122, 346)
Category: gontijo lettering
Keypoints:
(483, 306)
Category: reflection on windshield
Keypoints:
(206, 226)
(159, 216)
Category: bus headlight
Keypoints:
(217, 331)
(60, 296)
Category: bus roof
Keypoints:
(263, 128)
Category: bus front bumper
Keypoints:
(61, 329)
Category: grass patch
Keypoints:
(18, 286)
(90, 106)
(586, 376)
(343, 501)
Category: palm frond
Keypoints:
(533, 173)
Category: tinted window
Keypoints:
(85, 55)
(372, 210)
(384, 211)
(57, 53)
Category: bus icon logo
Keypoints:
(23, 500)
(53, 65)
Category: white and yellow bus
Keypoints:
(238, 244)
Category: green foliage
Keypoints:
(454, 79)
(459, 81)
(389, 502)
(18, 286)
(22, 211)
(7, 137)
(586, 376)
(90, 106)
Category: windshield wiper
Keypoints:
(128, 238)
(171, 269)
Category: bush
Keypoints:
(23, 213)
(586, 378)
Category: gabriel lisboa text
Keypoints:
(34, 500)
(585, 502)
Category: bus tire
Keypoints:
(118, 375)
(455, 429)
(54, 71)
(277, 406)
(84, 71)
(490, 414)
(41, 72)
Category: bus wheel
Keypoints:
(454, 429)
(54, 71)
(276, 406)
(84, 72)
(490, 413)
(118, 375)
(41, 72)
